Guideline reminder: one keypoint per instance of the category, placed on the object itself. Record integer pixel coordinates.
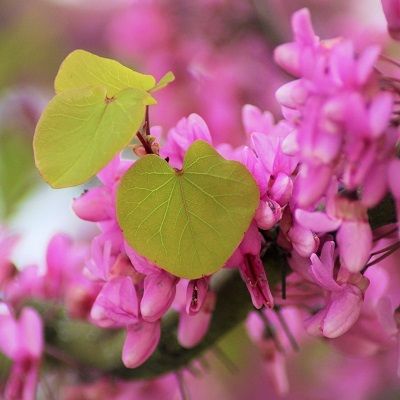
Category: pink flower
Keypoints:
(391, 9)
(344, 300)
(192, 328)
(116, 305)
(140, 342)
(22, 341)
(158, 294)
(247, 258)
(354, 235)
(179, 139)
(196, 294)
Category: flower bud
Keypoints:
(158, 294)
(354, 239)
(268, 214)
(281, 189)
(141, 340)
(116, 305)
(196, 294)
(94, 205)
(192, 328)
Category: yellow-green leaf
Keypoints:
(188, 222)
(82, 68)
(164, 81)
(81, 130)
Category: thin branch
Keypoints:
(145, 143)
(286, 329)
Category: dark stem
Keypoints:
(387, 248)
(147, 122)
(387, 254)
(145, 143)
(286, 329)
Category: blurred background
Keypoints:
(221, 54)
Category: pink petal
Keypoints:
(302, 28)
(391, 9)
(287, 56)
(196, 294)
(342, 312)
(380, 112)
(292, 94)
(253, 274)
(322, 269)
(394, 177)
(192, 328)
(254, 120)
(311, 183)
(158, 294)
(303, 240)
(354, 240)
(253, 164)
(31, 332)
(281, 189)
(268, 214)
(94, 205)
(141, 340)
(116, 305)
(316, 221)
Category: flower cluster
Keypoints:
(321, 171)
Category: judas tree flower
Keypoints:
(303, 240)
(196, 294)
(94, 205)
(141, 340)
(21, 340)
(338, 113)
(269, 212)
(377, 328)
(247, 258)
(192, 328)
(254, 120)
(354, 235)
(158, 295)
(116, 305)
(344, 300)
(158, 286)
(391, 9)
(179, 139)
(268, 335)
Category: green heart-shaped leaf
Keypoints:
(81, 130)
(81, 69)
(188, 222)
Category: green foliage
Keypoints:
(81, 130)
(81, 69)
(16, 171)
(99, 106)
(188, 222)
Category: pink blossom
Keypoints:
(344, 301)
(192, 328)
(140, 342)
(158, 294)
(22, 341)
(116, 305)
(391, 9)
